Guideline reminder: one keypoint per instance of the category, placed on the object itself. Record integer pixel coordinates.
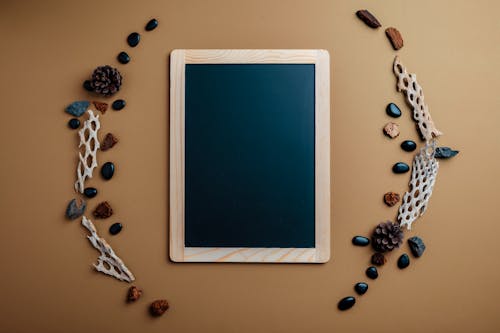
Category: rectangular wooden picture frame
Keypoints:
(250, 156)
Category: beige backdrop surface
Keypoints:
(49, 47)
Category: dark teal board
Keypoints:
(249, 158)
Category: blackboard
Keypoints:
(249, 159)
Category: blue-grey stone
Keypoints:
(393, 110)
(417, 246)
(346, 303)
(403, 261)
(360, 241)
(408, 145)
(372, 272)
(361, 288)
(75, 209)
(108, 170)
(115, 228)
(400, 167)
(77, 108)
(151, 25)
(133, 39)
(445, 152)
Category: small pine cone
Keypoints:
(158, 307)
(106, 80)
(387, 236)
(378, 259)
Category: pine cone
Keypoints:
(106, 80)
(387, 236)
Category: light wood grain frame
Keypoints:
(321, 252)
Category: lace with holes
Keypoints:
(88, 139)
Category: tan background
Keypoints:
(49, 47)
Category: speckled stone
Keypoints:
(417, 246)
(77, 108)
(75, 209)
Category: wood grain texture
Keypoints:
(321, 252)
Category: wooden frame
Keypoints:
(321, 252)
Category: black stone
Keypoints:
(403, 261)
(133, 39)
(90, 192)
(87, 85)
(445, 152)
(123, 57)
(74, 123)
(115, 228)
(118, 104)
(417, 246)
(360, 241)
(372, 272)
(108, 170)
(393, 110)
(400, 167)
(346, 303)
(151, 25)
(361, 288)
(408, 145)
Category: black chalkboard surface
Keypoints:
(250, 155)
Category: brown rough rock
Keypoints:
(368, 18)
(391, 198)
(133, 294)
(100, 106)
(158, 307)
(103, 210)
(378, 259)
(394, 37)
(108, 142)
(391, 130)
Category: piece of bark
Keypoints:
(367, 17)
(103, 210)
(109, 141)
(133, 294)
(391, 130)
(394, 37)
(100, 106)
(391, 198)
(158, 307)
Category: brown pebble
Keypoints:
(394, 37)
(133, 294)
(391, 130)
(100, 106)
(391, 198)
(378, 259)
(158, 307)
(369, 19)
(108, 142)
(103, 210)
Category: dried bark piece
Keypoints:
(133, 294)
(108, 142)
(423, 176)
(369, 19)
(394, 37)
(158, 307)
(391, 198)
(103, 210)
(108, 262)
(407, 83)
(391, 130)
(75, 209)
(100, 106)
(88, 160)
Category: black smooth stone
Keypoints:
(115, 228)
(361, 288)
(372, 272)
(346, 303)
(151, 25)
(133, 39)
(87, 85)
(400, 167)
(408, 145)
(403, 261)
(360, 241)
(445, 152)
(417, 246)
(108, 170)
(393, 110)
(118, 104)
(123, 58)
(90, 192)
(74, 123)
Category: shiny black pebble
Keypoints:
(417, 246)
(393, 110)
(133, 39)
(74, 123)
(108, 170)
(346, 303)
(90, 192)
(408, 145)
(360, 241)
(400, 167)
(361, 288)
(403, 261)
(115, 228)
(123, 58)
(372, 272)
(151, 25)
(118, 104)
(87, 85)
